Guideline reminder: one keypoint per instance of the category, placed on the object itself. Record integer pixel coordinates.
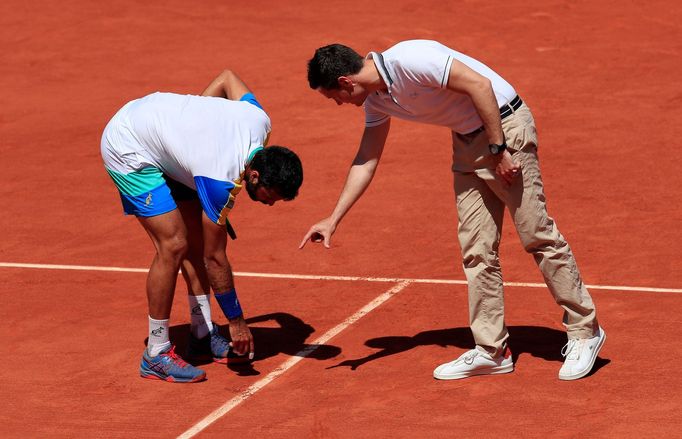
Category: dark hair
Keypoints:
(329, 63)
(279, 168)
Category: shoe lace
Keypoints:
(570, 350)
(175, 357)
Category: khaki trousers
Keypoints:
(481, 199)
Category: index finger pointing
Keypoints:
(305, 240)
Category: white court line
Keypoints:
(340, 278)
(246, 394)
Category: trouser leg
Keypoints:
(481, 196)
(538, 232)
(541, 238)
(480, 215)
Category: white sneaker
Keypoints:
(580, 356)
(474, 362)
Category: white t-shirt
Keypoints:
(203, 142)
(416, 73)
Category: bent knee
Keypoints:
(557, 245)
(176, 247)
(485, 257)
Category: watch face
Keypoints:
(495, 149)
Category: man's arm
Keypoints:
(359, 177)
(227, 85)
(220, 276)
(462, 79)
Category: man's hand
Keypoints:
(507, 168)
(320, 232)
(242, 340)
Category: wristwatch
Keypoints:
(496, 149)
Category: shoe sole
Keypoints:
(170, 379)
(592, 360)
(490, 371)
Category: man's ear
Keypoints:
(253, 176)
(345, 83)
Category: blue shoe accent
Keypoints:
(168, 366)
(215, 346)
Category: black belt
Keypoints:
(505, 110)
(511, 107)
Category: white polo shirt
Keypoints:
(416, 73)
(202, 142)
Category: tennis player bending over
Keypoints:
(178, 162)
(495, 165)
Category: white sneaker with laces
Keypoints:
(580, 355)
(474, 362)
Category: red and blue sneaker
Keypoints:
(168, 366)
(215, 346)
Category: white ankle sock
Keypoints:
(200, 311)
(158, 337)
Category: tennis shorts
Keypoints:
(148, 192)
(144, 189)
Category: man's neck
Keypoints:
(369, 77)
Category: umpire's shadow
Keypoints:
(283, 333)
(537, 341)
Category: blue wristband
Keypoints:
(229, 304)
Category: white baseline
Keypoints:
(338, 278)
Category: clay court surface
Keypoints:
(346, 338)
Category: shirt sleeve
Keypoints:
(216, 197)
(373, 116)
(251, 99)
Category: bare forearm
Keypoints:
(462, 79)
(485, 102)
(219, 273)
(359, 178)
(226, 85)
(363, 169)
(216, 88)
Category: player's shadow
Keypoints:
(541, 342)
(273, 334)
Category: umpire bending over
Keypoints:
(495, 164)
